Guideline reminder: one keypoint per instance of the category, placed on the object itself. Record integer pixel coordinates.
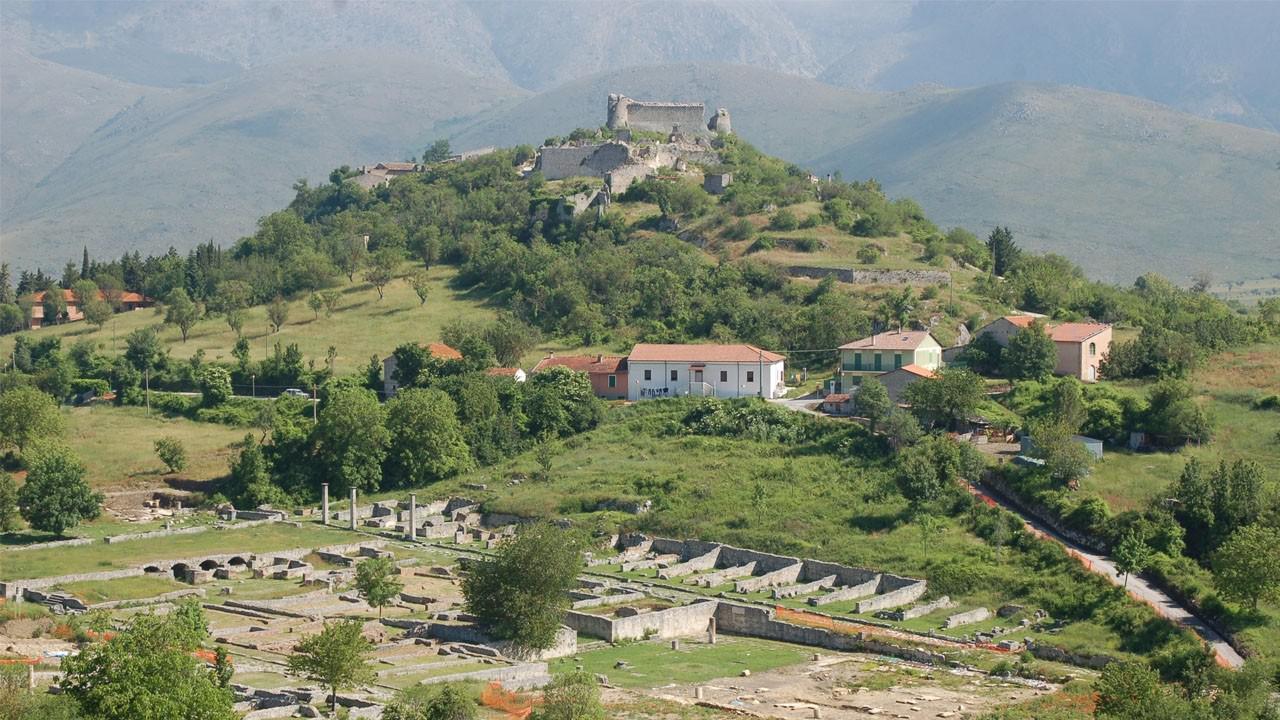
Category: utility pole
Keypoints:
(314, 404)
(147, 375)
(253, 385)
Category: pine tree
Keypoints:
(6, 289)
(1003, 250)
(84, 263)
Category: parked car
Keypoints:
(295, 392)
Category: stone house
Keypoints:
(659, 370)
(888, 351)
(897, 381)
(390, 384)
(837, 404)
(717, 183)
(608, 373)
(1080, 347)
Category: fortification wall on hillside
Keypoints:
(655, 116)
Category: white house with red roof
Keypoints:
(660, 370)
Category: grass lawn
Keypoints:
(96, 557)
(1227, 384)
(654, 663)
(130, 588)
(117, 445)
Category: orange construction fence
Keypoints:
(516, 705)
(803, 617)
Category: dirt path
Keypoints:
(1137, 588)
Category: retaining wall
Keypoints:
(782, 576)
(851, 592)
(873, 277)
(675, 622)
(894, 598)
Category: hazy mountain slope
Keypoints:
(1117, 184)
(1120, 185)
(48, 110)
(1215, 59)
(184, 166)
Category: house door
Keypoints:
(1093, 374)
(697, 376)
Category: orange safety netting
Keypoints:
(826, 622)
(20, 661)
(516, 705)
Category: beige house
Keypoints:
(886, 352)
(1080, 346)
(897, 381)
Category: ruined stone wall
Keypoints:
(558, 163)
(873, 277)
(760, 622)
(675, 622)
(623, 112)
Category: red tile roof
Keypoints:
(650, 352)
(836, 398)
(900, 340)
(1022, 321)
(1075, 332)
(915, 369)
(70, 297)
(439, 350)
(607, 364)
(504, 371)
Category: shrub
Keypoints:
(741, 229)
(783, 220)
(215, 385)
(807, 244)
(868, 254)
(99, 387)
(762, 243)
(172, 453)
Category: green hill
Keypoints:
(1117, 184)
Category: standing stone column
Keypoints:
(353, 508)
(324, 503)
(413, 516)
(711, 631)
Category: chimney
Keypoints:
(551, 354)
(599, 357)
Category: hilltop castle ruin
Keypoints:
(622, 161)
(662, 116)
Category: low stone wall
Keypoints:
(894, 598)
(156, 534)
(852, 592)
(675, 622)
(157, 600)
(688, 567)
(1057, 654)
(920, 610)
(804, 588)
(760, 622)
(49, 545)
(873, 277)
(781, 576)
(601, 600)
(720, 577)
(967, 618)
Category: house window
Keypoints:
(877, 361)
(897, 360)
(613, 381)
(751, 376)
(1093, 349)
(675, 375)
(857, 361)
(648, 374)
(724, 376)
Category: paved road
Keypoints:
(1137, 588)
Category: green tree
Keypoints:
(571, 696)
(1004, 252)
(873, 401)
(351, 439)
(11, 318)
(421, 287)
(7, 295)
(901, 429)
(54, 304)
(1031, 354)
(427, 442)
(378, 580)
(84, 291)
(382, 269)
(950, 396)
(1132, 555)
(897, 307)
(330, 299)
(1065, 457)
(437, 151)
(172, 453)
(182, 311)
(316, 303)
(1247, 566)
(1172, 412)
(521, 591)
(277, 313)
(351, 256)
(8, 503)
(510, 338)
(215, 385)
(231, 297)
(335, 657)
(1131, 690)
(147, 672)
(97, 312)
(449, 702)
(27, 416)
(55, 496)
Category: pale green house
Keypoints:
(886, 352)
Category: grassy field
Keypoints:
(116, 445)
(654, 663)
(1227, 384)
(130, 588)
(361, 326)
(96, 557)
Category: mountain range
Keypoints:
(1093, 130)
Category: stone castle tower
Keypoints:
(720, 122)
